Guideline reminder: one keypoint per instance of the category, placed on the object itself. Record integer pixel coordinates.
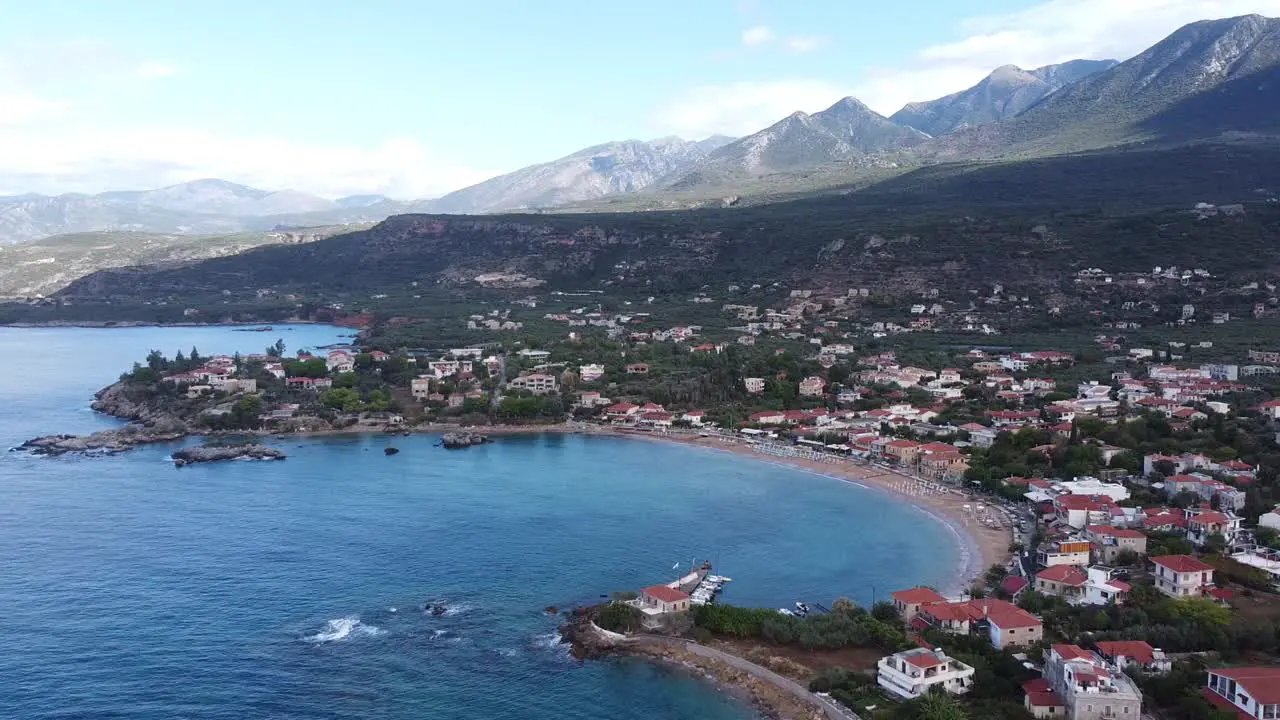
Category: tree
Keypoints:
(936, 705)
(344, 399)
(1203, 612)
(276, 350)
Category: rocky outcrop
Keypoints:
(117, 400)
(105, 442)
(221, 453)
(459, 440)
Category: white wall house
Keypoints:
(1254, 691)
(912, 673)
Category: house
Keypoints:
(195, 391)
(695, 417)
(754, 385)
(903, 452)
(812, 386)
(1270, 519)
(658, 601)
(638, 369)
(1108, 542)
(1004, 623)
(1263, 559)
(591, 399)
(1078, 511)
(1103, 589)
(1007, 624)
(456, 400)
(621, 410)
(1204, 524)
(1090, 690)
(1068, 551)
(590, 373)
(1182, 575)
(420, 387)
(536, 383)
(1252, 692)
(1134, 653)
(1065, 581)
(912, 673)
(768, 417)
(908, 602)
(1041, 700)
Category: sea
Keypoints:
(304, 588)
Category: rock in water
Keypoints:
(218, 453)
(106, 442)
(457, 440)
(390, 451)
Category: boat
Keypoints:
(390, 451)
(784, 611)
(801, 609)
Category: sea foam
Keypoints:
(344, 628)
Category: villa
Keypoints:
(912, 673)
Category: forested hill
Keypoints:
(948, 225)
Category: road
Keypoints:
(829, 707)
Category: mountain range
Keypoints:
(1208, 81)
(1005, 93)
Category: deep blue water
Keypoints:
(131, 589)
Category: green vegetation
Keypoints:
(618, 617)
(841, 628)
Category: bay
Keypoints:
(132, 589)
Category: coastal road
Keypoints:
(829, 707)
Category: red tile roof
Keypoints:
(1092, 503)
(1138, 650)
(925, 660)
(1263, 683)
(664, 593)
(1066, 574)
(949, 612)
(917, 596)
(1004, 614)
(1182, 563)
(1110, 531)
(1013, 584)
(1072, 652)
(1041, 694)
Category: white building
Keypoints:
(536, 383)
(1094, 486)
(754, 385)
(1262, 558)
(591, 373)
(420, 387)
(1181, 576)
(912, 673)
(1254, 691)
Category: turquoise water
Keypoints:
(131, 589)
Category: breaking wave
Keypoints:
(344, 628)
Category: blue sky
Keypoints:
(417, 98)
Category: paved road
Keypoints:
(832, 709)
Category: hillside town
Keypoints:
(1139, 488)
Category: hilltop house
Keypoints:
(1182, 576)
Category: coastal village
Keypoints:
(1123, 498)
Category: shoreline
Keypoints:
(978, 545)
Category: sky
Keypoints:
(414, 98)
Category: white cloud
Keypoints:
(742, 108)
(56, 137)
(805, 43)
(91, 159)
(757, 36)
